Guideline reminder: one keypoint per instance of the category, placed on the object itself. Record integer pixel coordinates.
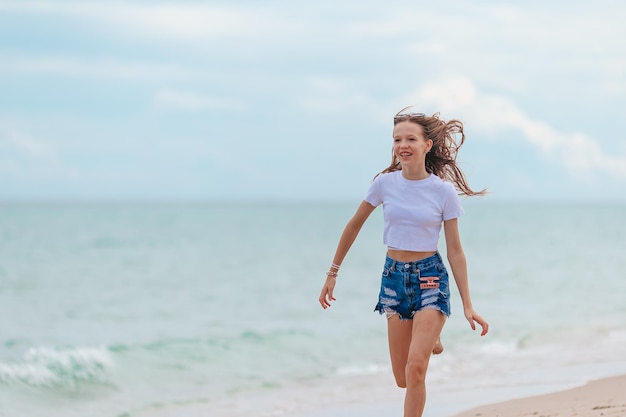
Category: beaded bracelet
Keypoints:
(333, 265)
(331, 274)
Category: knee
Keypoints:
(399, 374)
(400, 380)
(415, 372)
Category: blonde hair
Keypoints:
(447, 138)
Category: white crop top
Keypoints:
(413, 210)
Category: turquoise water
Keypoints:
(169, 309)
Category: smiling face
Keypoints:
(409, 144)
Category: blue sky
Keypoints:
(293, 100)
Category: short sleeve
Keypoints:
(373, 195)
(452, 207)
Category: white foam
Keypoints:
(49, 366)
(368, 369)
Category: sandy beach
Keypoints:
(604, 397)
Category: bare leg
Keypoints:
(399, 334)
(427, 326)
(438, 347)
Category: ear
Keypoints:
(429, 145)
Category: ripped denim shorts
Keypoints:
(408, 287)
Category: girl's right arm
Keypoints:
(345, 242)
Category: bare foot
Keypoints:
(438, 348)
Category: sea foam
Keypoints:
(58, 367)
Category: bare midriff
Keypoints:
(407, 255)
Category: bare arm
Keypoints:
(348, 237)
(458, 263)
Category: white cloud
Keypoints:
(13, 139)
(99, 68)
(239, 55)
(458, 97)
(530, 38)
(333, 96)
(188, 101)
(24, 155)
(183, 21)
(508, 45)
(614, 87)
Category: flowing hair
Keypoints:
(447, 137)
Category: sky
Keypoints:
(294, 100)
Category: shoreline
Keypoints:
(600, 397)
(366, 397)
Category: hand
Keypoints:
(473, 317)
(327, 292)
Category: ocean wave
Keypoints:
(58, 367)
(363, 370)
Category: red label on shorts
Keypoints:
(429, 282)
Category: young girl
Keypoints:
(418, 192)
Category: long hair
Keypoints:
(447, 137)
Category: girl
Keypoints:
(418, 195)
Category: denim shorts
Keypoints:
(408, 287)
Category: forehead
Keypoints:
(407, 128)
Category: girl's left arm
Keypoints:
(458, 263)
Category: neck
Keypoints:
(415, 174)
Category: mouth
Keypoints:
(405, 154)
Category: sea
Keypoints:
(154, 309)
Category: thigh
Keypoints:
(399, 334)
(427, 326)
